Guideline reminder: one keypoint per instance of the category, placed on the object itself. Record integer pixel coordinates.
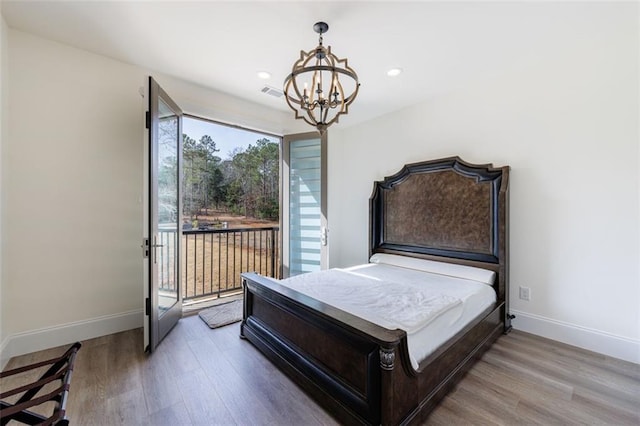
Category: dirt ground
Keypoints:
(233, 221)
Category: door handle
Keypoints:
(155, 246)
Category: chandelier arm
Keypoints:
(301, 116)
(290, 99)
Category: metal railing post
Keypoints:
(273, 252)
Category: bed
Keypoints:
(445, 212)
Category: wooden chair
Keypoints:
(60, 370)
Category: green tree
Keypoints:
(253, 180)
(202, 179)
(246, 184)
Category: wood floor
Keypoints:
(200, 376)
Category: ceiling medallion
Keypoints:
(321, 86)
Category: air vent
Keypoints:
(272, 91)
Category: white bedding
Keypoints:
(430, 307)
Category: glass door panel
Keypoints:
(304, 206)
(165, 246)
(164, 306)
(305, 227)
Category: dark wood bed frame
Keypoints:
(445, 210)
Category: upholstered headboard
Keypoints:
(446, 210)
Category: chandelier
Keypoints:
(321, 86)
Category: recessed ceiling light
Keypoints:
(394, 72)
(264, 75)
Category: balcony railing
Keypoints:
(213, 259)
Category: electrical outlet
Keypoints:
(525, 293)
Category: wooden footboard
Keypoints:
(360, 372)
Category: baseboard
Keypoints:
(50, 337)
(582, 337)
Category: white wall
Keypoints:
(73, 212)
(72, 206)
(4, 64)
(566, 121)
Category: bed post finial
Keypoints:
(387, 358)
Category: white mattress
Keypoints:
(430, 307)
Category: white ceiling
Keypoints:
(442, 46)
